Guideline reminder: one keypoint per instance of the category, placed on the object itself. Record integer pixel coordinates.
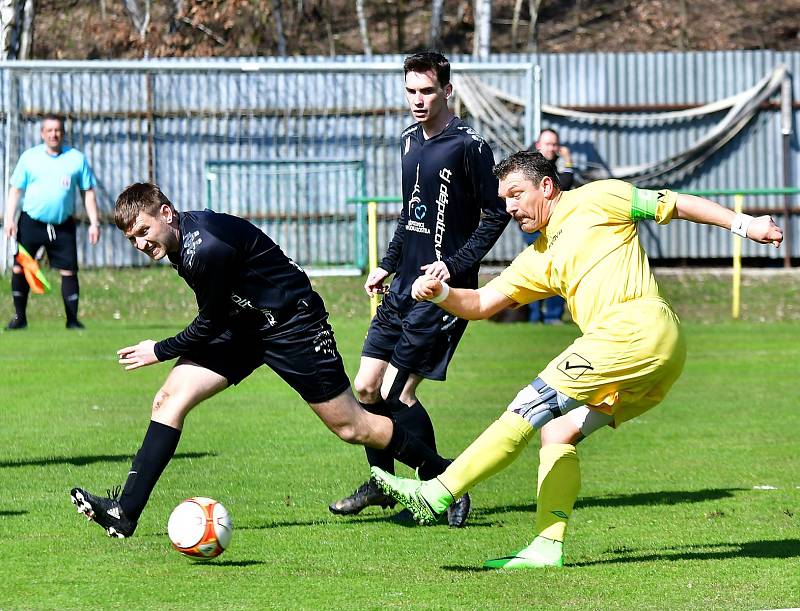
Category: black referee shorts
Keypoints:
(301, 350)
(58, 241)
(414, 336)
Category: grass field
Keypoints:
(694, 505)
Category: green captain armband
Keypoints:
(655, 205)
(644, 204)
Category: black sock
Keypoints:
(69, 293)
(418, 422)
(375, 457)
(157, 450)
(408, 449)
(19, 294)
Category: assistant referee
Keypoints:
(45, 179)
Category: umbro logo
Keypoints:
(574, 366)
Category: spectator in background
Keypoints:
(551, 310)
(47, 175)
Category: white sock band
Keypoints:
(740, 224)
(441, 296)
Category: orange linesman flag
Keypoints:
(33, 274)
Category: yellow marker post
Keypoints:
(372, 247)
(738, 201)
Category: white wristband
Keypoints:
(740, 224)
(441, 296)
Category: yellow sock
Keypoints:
(559, 482)
(492, 451)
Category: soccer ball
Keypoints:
(200, 527)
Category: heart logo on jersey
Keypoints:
(419, 211)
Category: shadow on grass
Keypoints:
(227, 563)
(667, 497)
(4, 513)
(356, 521)
(783, 549)
(481, 517)
(80, 461)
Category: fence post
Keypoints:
(372, 231)
(738, 204)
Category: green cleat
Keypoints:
(406, 492)
(541, 553)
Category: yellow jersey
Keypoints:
(632, 349)
(589, 252)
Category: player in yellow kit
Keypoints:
(630, 352)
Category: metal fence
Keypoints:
(163, 120)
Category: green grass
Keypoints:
(669, 515)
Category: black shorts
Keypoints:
(301, 350)
(414, 336)
(58, 241)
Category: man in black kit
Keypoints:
(451, 217)
(255, 307)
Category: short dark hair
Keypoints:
(138, 197)
(51, 116)
(533, 165)
(429, 61)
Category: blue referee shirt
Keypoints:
(49, 182)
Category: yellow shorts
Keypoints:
(625, 363)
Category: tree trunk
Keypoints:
(26, 33)
(175, 15)
(362, 27)
(515, 24)
(684, 36)
(140, 16)
(482, 41)
(400, 18)
(8, 29)
(435, 34)
(277, 15)
(533, 28)
(329, 27)
(16, 29)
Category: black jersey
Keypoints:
(451, 209)
(241, 278)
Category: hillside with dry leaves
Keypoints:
(73, 29)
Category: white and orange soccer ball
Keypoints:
(200, 527)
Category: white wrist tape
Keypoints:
(740, 224)
(441, 296)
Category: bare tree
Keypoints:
(329, 27)
(8, 23)
(362, 27)
(533, 27)
(140, 15)
(176, 15)
(26, 33)
(437, 14)
(482, 41)
(16, 29)
(515, 23)
(400, 20)
(684, 27)
(278, 18)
